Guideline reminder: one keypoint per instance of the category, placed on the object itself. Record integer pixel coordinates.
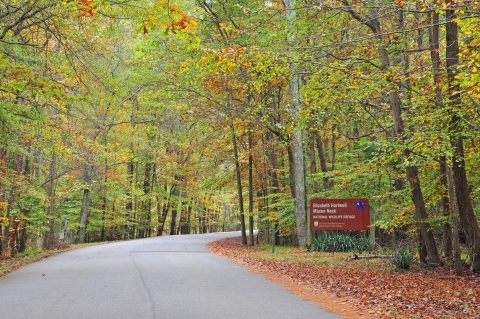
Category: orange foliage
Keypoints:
(185, 22)
(87, 8)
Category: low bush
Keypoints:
(403, 259)
(339, 242)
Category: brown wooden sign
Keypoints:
(339, 214)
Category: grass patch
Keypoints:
(296, 255)
(30, 252)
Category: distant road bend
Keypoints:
(162, 278)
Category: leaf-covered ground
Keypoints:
(368, 287)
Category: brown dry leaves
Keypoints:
(382, 293)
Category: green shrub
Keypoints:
(403, 259)
(339, 242)
(30, 252)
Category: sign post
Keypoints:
(339, 214)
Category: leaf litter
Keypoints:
(364, 289)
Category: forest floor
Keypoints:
(360, 288)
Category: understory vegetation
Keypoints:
(340, 242)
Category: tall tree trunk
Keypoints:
(6, 251)
(274, 189)
(147, 203)
(129, 220)
(163, 212)
(297, 135)
(49, 238)
(456, 242)
(434, 48)
(88, 172)
(250, 187)
(13, 223)
(178, 180)
(239, 185)
(323, 161)
(104, 212)
(173, 223)
(291, 171)
(25, 211)
(3, 199)
(313, 166)
(464, 202)
(84, 215)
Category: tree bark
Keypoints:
(84, 215)
(163, 212)
(297, 135)
(88, 176)
(456, 242)
(313, 166)
(25, 212)
(129, 220)
(434, 48)
(239, 185)
(323, 161)
(274, 189)
(49, 238)
(147, 203)
(175, 199)
(250, 188)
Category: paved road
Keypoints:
(161, 278)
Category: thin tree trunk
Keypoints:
(129, 205)
(239, 185)
(49, 238)
(313, 166)
(250, 188)
(297, 135)
(274, 189)
(23, 236)
(323, 161)
(147, 204)
(104, 212)
(456, 242)
(162, 214)
(84, 215)
(88, 176)
(6, 251)
(3, 199)
(173, 223)
(178, 180)
(291, 171)
(434, 47)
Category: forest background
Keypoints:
(129, 119)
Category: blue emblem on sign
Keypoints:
(359, 205)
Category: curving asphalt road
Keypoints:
(160, 278)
